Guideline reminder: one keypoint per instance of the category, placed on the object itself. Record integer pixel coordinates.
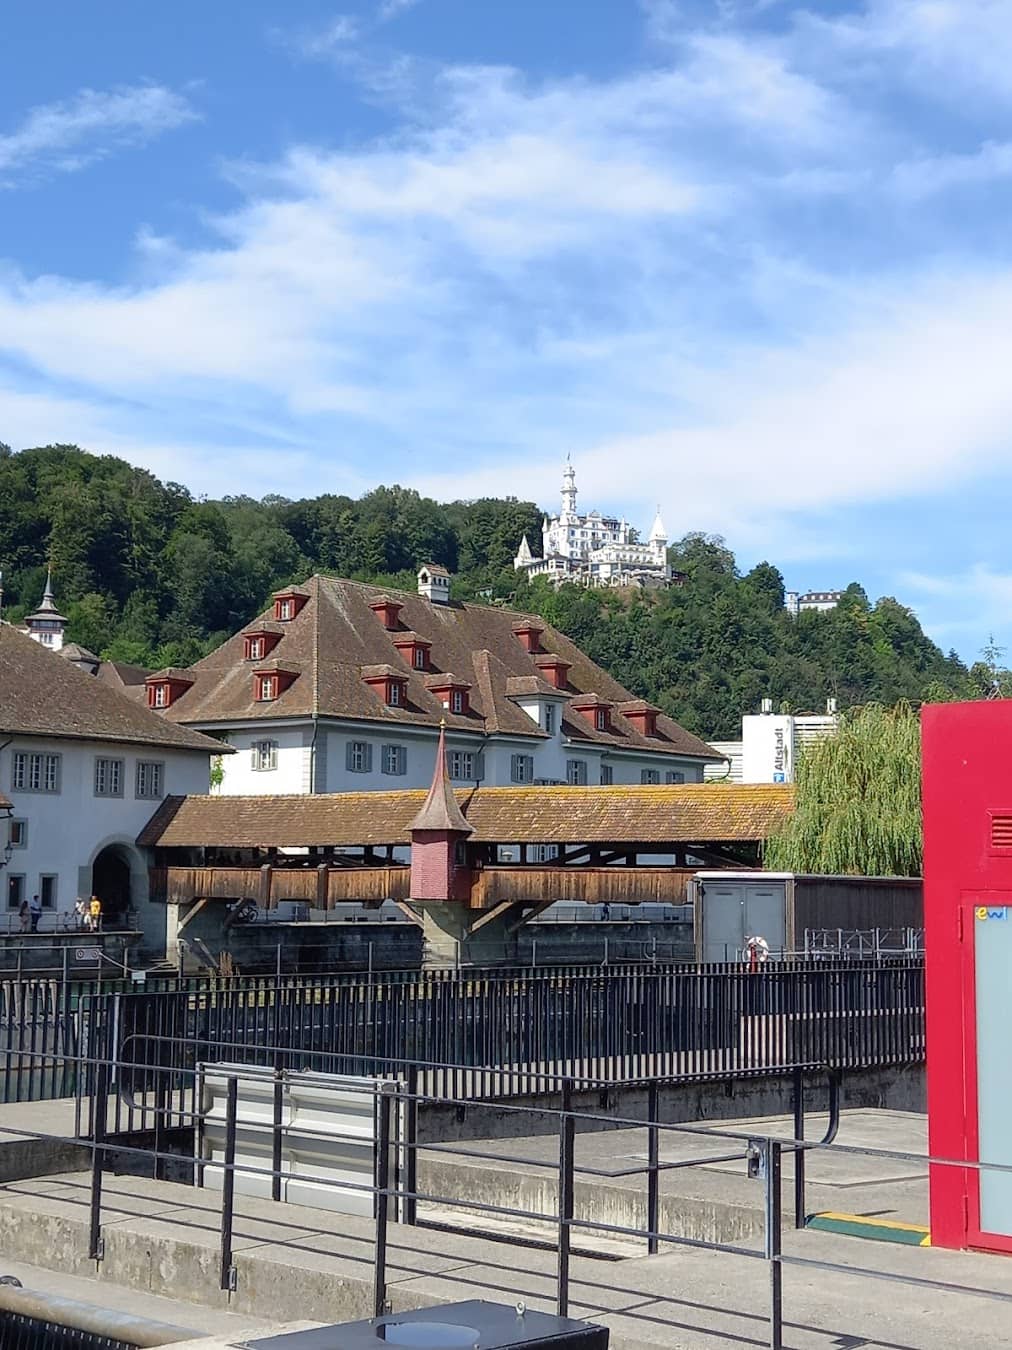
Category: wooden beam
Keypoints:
(409, 913)
(532, 914)
(192, 912)
(496, 912)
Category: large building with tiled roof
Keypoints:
(342, 686)
(84, 766)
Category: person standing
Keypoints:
(35, 909)
(95, 913)
(23, 916)
(81, 914)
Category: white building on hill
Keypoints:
(595, 550)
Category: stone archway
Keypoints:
(111, 882)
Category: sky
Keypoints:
(747, 259)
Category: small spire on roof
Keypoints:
(440, 811)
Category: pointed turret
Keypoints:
(524, 554)
(658, 534)
(568, 489)
(47, 625)
(440, 812)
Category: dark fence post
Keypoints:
(411, 1147)
(384, 1104)
(799, 1153)
(567, 1141)
(227, 1281)
(653, 1172)
(774, 1239)
(99, 1115)
(276, 1124)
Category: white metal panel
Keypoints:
(328, 1140)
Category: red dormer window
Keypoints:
(287, 604)
(271, 683)
(594, 711)
(414, 650)
(165, 686)
(642, 717)
(453, 694)
(258, 644)
(555, 670)
(388, 684)
(529, 634)
(387, 611)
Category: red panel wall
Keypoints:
(966, 779)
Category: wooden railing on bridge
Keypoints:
(325, 886)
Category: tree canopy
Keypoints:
(858, 799)
(148, 574)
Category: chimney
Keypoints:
(434, 583)
(831, 707)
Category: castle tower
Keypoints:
(659, 538)
(47, 625)
(568, 490)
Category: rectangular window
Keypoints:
(550, 714)
(150, 779)
(359, 757)
(35, 773)
(522, 768)
(576, 772)
(465, 765)
(285, 609)
(15, 890)
(161, 699)
(264, 756)
(650, 776)
(674, 776)
(419, 658)
(268, 688)
(394, 694)
(108, 778)
(601, 719)
(456, 701)
(256, 649)
(47, 890)
(607, 775)
(395, 759)
(19, 834)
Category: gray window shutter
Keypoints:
(348, 752)
(368, 757)
(479, 767)
(515, 768)
(253, 755)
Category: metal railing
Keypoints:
(504, 1032)
(760, 1155)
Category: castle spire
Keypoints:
(47, 625)
(569, 489)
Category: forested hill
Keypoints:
(149, 575)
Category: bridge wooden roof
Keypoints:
(679, 814)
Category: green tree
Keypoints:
(858, 799)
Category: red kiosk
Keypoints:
(967, 790)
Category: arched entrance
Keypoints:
(110, 881)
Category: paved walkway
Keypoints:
(294, 1264)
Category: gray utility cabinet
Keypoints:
(730, 907)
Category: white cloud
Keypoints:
(967, 604)
(67, 136)
(930, 174)
(390, 9)
(335, 38)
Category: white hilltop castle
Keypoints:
(595, 550)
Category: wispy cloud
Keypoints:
(389, 9)
(319, 43)
(64, 137)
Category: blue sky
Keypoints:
(746, 258)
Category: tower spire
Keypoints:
(440, 811)
(569, 489)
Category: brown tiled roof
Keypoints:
(286, 591)
(519, 685)
(172, 673)
(43, 695)
(694, 813)
(121, 675)
(336, 634)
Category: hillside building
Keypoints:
(595, 550)
(797, 603)
(84, 766)
(342, 686)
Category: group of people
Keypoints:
(87, 914)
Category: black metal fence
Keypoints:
(498, 1033)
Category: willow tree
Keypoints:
(858, 799)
